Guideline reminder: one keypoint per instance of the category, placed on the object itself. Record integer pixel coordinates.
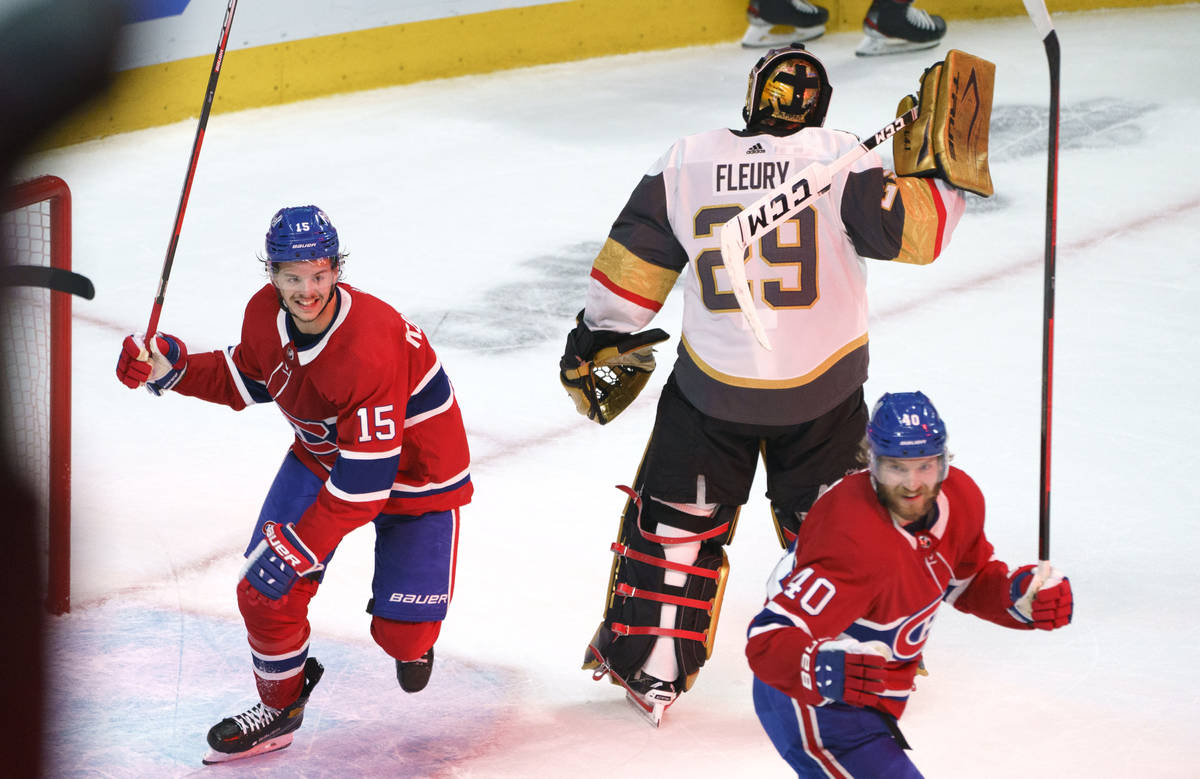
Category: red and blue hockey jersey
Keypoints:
(374, 412)
(854, 572)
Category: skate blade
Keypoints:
(875, 45)
(652, 713)
(270, 745)
(761, 36)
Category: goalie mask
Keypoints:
(787, 87)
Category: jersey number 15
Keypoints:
(379, 428)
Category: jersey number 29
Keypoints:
(802, 254)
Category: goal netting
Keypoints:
(35, 342)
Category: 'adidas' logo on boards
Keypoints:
(756, 149)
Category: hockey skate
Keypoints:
(780, 22)
(262, 729)
(648, 696)
(893, 26)
(413, 675)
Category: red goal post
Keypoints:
(36, 230)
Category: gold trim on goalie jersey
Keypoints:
(788, 383)
(772, 403)
(629, 276)
(924, 221)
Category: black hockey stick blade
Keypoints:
(56, 279)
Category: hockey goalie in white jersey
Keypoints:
(729, 401)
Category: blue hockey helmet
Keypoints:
(906, 425)
(789, 87)
(301, 233)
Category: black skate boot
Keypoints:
(893, 26)
(413, 675)
(262, 728)
(651, 696)
(780, 22)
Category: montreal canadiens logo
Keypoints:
(913, 632)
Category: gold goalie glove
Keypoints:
(950, 136)
(604, 371)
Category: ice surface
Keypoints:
(475, 205)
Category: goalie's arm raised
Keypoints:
(942, 152)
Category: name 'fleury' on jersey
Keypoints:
(808, 278)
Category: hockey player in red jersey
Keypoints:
(378, 439)
(850, 605)
(728, 401)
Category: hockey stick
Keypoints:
(780, 204)
(218, 58)
(1041, 21)
(57, 279)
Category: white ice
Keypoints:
(475, 205)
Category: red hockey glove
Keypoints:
(850, 671)
(1052, 606)
(133, 365)
(281, 558)
(159, 369)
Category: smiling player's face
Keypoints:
(306, 288)
(908, 487)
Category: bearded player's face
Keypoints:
(908, 487)
(305, 287)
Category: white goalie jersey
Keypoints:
(807, 279)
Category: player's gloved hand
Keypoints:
(583, 343)
(158, 369)
(603, 371)
(279, 560)
(851, 671)
(1050, 607)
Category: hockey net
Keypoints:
(35, 380)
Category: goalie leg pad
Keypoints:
(639, 588)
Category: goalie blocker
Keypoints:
(949, 138)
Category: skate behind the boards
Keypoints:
(650, 703)
(261, 729)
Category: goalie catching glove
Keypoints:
(604, 371)
(949, 139)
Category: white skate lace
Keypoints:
(804, 6)
(918, 18)
(258, 717)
